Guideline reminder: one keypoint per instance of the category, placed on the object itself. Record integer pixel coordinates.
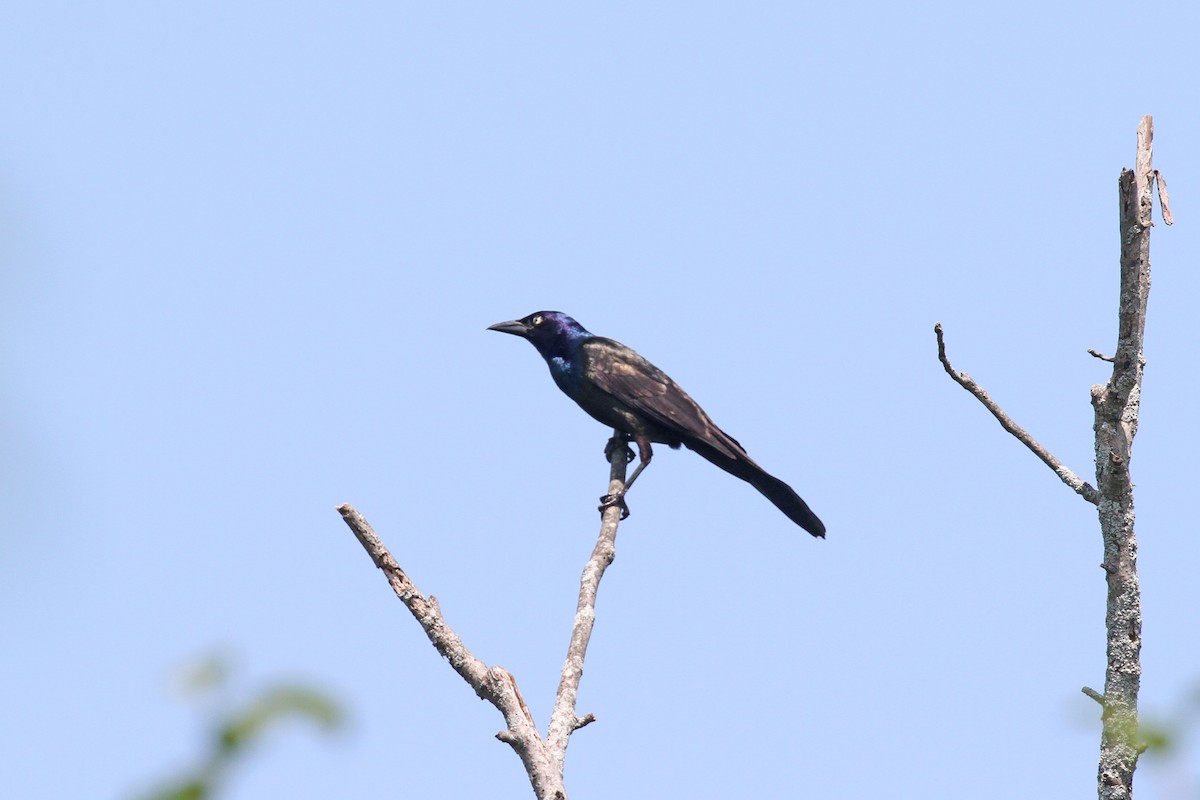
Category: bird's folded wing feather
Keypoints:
(629, 378)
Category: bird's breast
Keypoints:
(566, 374)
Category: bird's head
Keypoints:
(553, 333)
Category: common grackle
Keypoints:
(626, 392)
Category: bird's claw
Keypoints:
(610, 500)
(611, 446)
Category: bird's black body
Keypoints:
(621, 389)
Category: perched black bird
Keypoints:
(626, 392)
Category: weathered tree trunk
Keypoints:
(1116, 404)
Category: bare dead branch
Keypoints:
(1100, 356)
(495, 684)
(543, 758)
(1082, 487)
(1117, 405)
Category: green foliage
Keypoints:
(273, 705)
(1163, 735)
(236, 730)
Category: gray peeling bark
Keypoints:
(543, 758)
(1116, 405)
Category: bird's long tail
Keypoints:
(783, 496)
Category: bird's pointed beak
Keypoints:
(515, 327)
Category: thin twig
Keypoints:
(1082, 487)
(1100, 356)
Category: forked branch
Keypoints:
(543, 758)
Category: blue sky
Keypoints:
(249, 253)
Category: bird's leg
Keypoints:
(645, 453)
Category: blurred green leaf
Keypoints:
(273, 706)
(192, 789)
(1158, 739)
(234, 732)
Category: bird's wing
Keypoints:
(616, 376)
(630, 379)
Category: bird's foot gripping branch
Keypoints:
(618, 443)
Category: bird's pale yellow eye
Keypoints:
(537, 320)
